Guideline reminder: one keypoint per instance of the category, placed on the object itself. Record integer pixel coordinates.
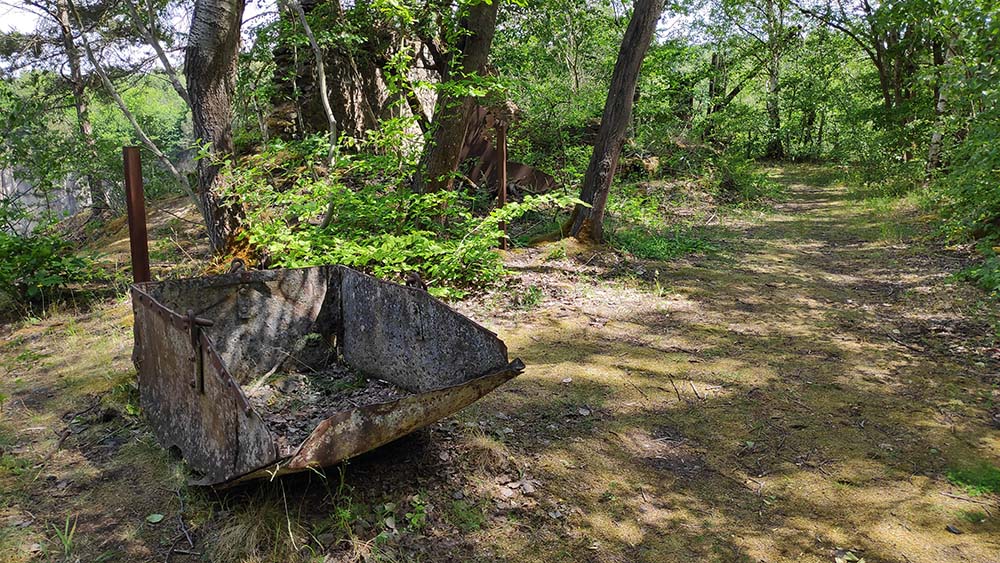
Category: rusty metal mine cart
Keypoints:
(261, 373)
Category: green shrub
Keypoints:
(986, 273)
(37, 268)
(377, 224)
(736, 180)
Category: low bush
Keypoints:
(735, 180)
(38, 268)
(376, 223)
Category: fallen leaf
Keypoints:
(154, 518)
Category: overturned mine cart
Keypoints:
(261, 373)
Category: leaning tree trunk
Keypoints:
(589, 221)
(452, 112)
(98, 197)
(210, 68)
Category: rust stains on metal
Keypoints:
(135, 205)
(242, 329)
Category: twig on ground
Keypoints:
(180, 519)
(984, 504)
(916, 349)
(636, 387)
(172, 548)
(676, 390)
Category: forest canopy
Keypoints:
(367, 133)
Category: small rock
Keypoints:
(567, 380)
(583, 411)
(506, 492)
(555, 514)
(327, 539)
(458, 495)
(952, 529)
(527, 488)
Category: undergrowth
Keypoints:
(664, 244)
(978, 479)
(375, 223)
(37, 269)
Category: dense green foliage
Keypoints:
(901, 94)
(37, 269)
(43, 143)
(376, 227)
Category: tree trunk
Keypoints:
(589, 221)
(941, 55)
(210, 68)
(98, 197)
(775, 149)
(452, 112)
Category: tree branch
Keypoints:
(150, 37)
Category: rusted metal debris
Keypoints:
(261, 373)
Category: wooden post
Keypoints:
(502, 175)
(135, 204)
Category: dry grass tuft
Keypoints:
(261, 529)
(485, 452)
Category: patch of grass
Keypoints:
(65, 536)
(973, 516)
(557, 252)
(15, 545)
(661, 245)
(13, 465)
(529, 298)
(486, 452)
(466, 516)
(980, 479)
(261, 529)
(124, 394)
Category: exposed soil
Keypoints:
(801, 395)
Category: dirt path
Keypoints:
(806, 391)
(813, 390)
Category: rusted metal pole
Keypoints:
(135, 204)
(502, 175)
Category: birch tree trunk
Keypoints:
(588, 222)
(941, 56)
(210, 68)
